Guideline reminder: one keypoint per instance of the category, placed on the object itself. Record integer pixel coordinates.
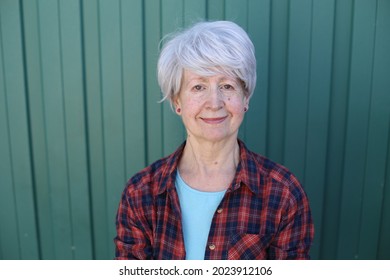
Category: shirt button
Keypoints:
(219, 211)
(212, 247)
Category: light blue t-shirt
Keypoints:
(197, 210)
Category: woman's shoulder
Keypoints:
(269, 169)
(154, 176)
(147, 177)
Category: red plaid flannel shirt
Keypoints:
(264, 214)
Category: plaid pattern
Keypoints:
(264, 214)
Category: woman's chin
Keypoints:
(217, 137)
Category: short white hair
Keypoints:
(207, 48)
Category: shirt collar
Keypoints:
(246, 170)
(168, 176)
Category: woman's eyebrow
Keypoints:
(197, 79)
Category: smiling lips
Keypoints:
(214, 120)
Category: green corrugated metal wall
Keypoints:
(79, 114)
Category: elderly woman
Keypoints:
(212, 198)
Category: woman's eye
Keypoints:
(227, 87)
(198, 87)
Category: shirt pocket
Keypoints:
(248, 246)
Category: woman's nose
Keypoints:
(215, 98)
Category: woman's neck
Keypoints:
(209, 166)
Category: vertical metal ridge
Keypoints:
(29, 128)
(9, 141)
(308, 88)
(86, 128)
(65, 128)
(144, 85)
(122, 90)
(102, 109)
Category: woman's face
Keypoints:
(212, 107)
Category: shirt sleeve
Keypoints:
(133, 240)
(296, 231)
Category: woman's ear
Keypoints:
(246, 103)
(177, 105)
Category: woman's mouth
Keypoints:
(214, 120)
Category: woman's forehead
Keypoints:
(190, 75)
